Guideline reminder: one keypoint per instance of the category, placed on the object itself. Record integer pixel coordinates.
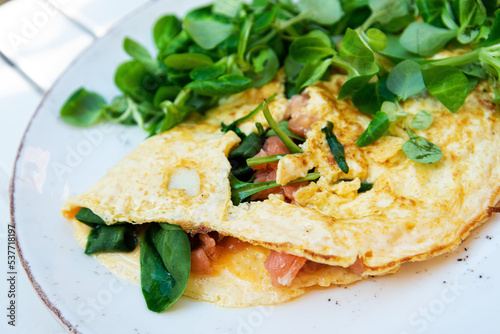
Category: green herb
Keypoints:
(224, 85)
(137, 80)
(396, 52)
(241, 190)
(265, 160)
(390, 14)
(420, 149)
(311, 73)
(336, 147)
(106, 238)
(206, 29)
(393, 111)
(174, 114)
(230, 46)
(165, 29)
(406, 79)
(284, 126)
(83, 108)
(165, 265)
(359, 61)
(472, 15)
(89, 218)
(310, 48)
(431, 10)
(279, 132)
(233, 125)
(321, 11)
(187, 61)
(448, 84)
(265, 65)
(229, 8)
(111, 238)
(365, 187)
(422, 120)
(425, 39)
(378, 127)
(376, 39)
(248, 148)
(139, 53)
(369, 99)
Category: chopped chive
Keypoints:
(264, 160)
(241, 190)
(233, 125)
(336, 147)
(284, 138)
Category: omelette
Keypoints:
(326, 231)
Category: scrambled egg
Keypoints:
(413, 212)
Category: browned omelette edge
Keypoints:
(393, 266)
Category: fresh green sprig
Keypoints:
(234, 125)
(284, 126)
(279, 132)
(230, 46)
(264, 160)
(420, 149)
(378, 127)
(242, 190)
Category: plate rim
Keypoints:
(55, 311)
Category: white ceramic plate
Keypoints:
(446, 294)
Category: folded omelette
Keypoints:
(331, 231)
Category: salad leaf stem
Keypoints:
(243, 43)
(233, 125)
(265, 160)
(241, 190)
(281, 134)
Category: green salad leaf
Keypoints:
(230, 46)
(420, 149)
(378, 127)
(119, 237)
(165, 265)
(83, 108)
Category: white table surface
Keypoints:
(38, 40)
